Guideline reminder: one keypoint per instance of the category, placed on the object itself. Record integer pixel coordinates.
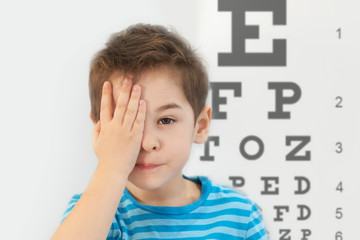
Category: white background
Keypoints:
(46, 153)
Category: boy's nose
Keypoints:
(150, 141)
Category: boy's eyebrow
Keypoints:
(168, 106)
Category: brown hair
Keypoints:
(142, 47)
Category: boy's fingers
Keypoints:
(106, 103)
(140, 118)
(132, 107)
(122, 101)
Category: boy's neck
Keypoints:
(178, 192)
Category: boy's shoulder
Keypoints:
(220, 194)
(228, 191)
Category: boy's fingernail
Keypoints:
(136, 88)
(106, 84)
(127, 82)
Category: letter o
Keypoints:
(256, 155)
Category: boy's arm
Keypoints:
(116, 142)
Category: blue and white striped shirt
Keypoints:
(219, 213)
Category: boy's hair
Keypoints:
(144, 47)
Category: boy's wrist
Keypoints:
(112, 172)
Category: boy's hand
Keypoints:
(117, 136)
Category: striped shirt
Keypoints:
(219, 213)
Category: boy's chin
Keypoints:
(146, 184)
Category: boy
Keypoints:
(148, 91)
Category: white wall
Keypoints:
(46, 153)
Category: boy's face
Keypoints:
(169, 129)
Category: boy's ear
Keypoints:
(92, 118)
(202, 125)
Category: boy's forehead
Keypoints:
(118, 76)
(161, 88)
(169, 81)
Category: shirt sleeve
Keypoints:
(70, 206)
(256, 228)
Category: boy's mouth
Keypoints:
(147, 166)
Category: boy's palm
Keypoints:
(117, 135)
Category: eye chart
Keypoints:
(286, 116)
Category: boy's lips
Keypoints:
(147, 166)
